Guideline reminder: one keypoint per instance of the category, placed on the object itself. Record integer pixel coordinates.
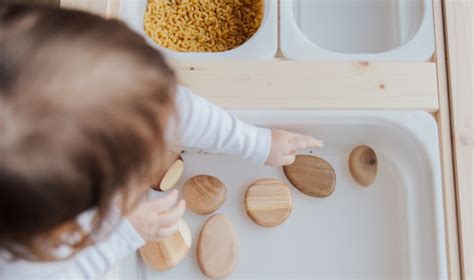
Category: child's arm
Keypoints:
(204, 125)
(150, 220)
(94, 261)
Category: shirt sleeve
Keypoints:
(203, 125)
(94, 261)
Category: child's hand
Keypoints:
(285, 144)
(155, 219)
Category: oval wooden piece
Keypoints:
(204, 194)
(268, 202)
(217, 248)
(311, 175)
(171, 177)
(363, 165)
(167, 253)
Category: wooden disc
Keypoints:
(311, 175)
(363, 165)
(204, 194)
(217, 248)
(171, 176)
(167, 253)
(268, 202)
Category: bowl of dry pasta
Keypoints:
(206, 29)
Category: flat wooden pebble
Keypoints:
(165, 254)
(363, 165)
(217, 249)
(268, 202)
(170, 178)
(311, 175)
(204, 194)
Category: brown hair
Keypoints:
(84, 102)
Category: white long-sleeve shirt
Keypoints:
(201, 125)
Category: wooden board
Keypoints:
(280, 84)
(459, 17)
(444, 124)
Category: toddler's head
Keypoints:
(84, 103)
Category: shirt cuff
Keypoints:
(130, 234)
(263, 145)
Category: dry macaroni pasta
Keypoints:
(202, 25)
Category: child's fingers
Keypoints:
(287, 159)
(161, 205)
(172, 216)
(303, 142)
(168, 231)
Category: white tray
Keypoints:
(370, 30)
(393, 229)
(262, 45)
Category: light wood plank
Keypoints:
(313, 85)
(459, 16)
(444, 127)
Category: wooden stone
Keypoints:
(217, 249)
(363, 165)
(311, 175)
(167, 253)
(204, 194)
(268, 202)
(173, 173)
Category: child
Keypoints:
(86, 111)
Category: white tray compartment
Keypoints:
(357, 29)
(262, 45)
(393, 229)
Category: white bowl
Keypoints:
(263, 44)
(367, 30)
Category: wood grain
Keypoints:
(169, 175)
(444, 128)
(172, 176)
(459, 16)
(311, 175)
(363, 165)
(204, 194)
(165, 254)
(217, 249)
(268, 202)
(319, 85)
